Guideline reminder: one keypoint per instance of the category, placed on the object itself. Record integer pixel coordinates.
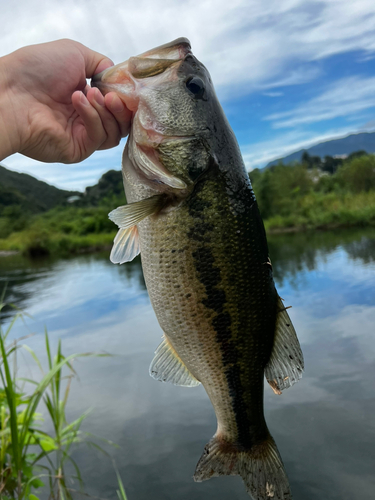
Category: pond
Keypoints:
(324, 426)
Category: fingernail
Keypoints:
(99, 97)
(83, 99)
(117, 105)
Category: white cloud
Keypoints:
(343, 98)
(73, 176)
(247, 42)
(248, 46)
(273, 94)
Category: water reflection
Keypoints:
(293, 254)
(28, 281)
(324, 425)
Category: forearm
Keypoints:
(9, 139)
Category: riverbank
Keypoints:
(39, 243)
(54, 244)
(291, 198)
(325, 211)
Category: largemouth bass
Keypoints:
(193, 216)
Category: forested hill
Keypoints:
(109, 185)
(29, 193)
(344, 146)
(32, 196)
(39, 218)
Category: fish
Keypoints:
(193, 216)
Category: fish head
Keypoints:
(175, 113)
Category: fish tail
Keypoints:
(261, 467)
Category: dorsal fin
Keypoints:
(167, 366)
(286, 364)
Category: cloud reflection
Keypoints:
(324, 425)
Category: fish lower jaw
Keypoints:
(151, 172)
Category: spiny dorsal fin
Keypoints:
(125, 245)
(285, 365)
(168, 367)
(129, 215)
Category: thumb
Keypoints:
(94, 61)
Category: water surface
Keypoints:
(324, 425)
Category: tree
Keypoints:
(358, 174)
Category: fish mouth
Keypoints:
(177, 49)
(128, 81)
(124, 77)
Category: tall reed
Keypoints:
(30, 456)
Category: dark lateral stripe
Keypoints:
(209, 276)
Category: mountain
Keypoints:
(33, 196)
(29, 193)
(110, 184)
(344, 146)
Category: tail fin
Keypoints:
(261, 468)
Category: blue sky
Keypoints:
(289, 74)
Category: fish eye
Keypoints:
(195, 86)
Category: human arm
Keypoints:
(44, 112)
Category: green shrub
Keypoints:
(358, 174)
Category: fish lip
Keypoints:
(182, 43)
(96, 79)
(161, 140)
(170, 52)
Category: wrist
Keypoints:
(9, 134)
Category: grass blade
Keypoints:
(11, 399)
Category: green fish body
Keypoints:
(193, 216)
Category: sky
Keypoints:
(289, 74)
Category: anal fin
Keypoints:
(167, 366)
(286, 364)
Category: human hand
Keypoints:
(44, 112)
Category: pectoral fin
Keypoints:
(125, 245)
(286, 364)
(129, 215)
(168, 367)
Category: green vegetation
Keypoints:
(317, 193)
(67, 228)
(62, 230)
(31, 458)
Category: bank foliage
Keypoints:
(317, 193)
(79, 223)
(314, 193)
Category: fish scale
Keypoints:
(204, 242)
(193, 216)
